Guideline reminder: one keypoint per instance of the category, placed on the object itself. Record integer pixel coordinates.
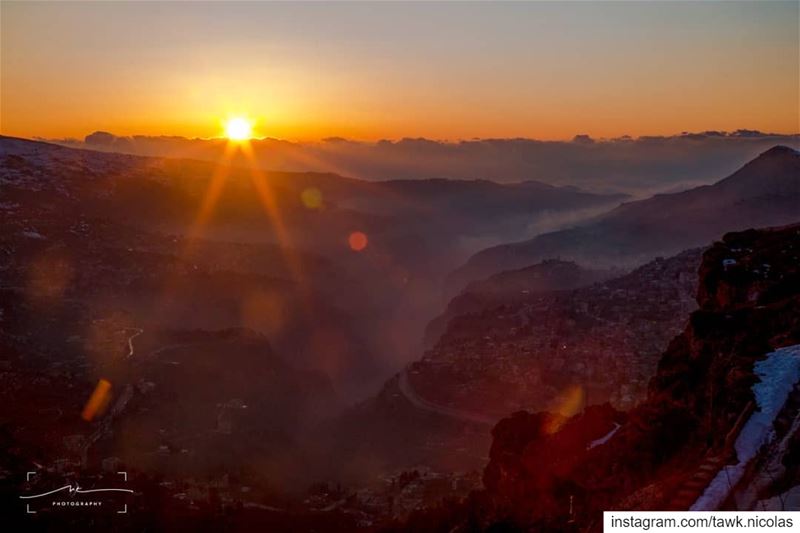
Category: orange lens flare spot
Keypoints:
(357, 241)
(97, 401)
(311, 198)
(569, 403)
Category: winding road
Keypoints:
(138, 331)
(420, 403)
(104, 428)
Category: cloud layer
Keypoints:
(634, 165)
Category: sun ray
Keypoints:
(213, 192)
(209, 201)
(268, 202)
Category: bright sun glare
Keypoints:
(238, 129)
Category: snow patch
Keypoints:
(787, 501)
(33, 234)
(605, 438)
(778, 373)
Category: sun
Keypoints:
(238, 129)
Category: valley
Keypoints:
(251, 375)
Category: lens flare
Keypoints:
(311, 198)
(357, 241)
(97, 401)
(567, 404)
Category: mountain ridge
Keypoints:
(662, 224)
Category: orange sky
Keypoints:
(371, 71)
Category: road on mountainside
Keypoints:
(103, 430)
(138, 331)
(420, 403)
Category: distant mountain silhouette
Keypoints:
(764, 192)
(645, 164)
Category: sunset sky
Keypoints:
(376, 70)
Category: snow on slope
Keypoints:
(778, 373)
(605, 438)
